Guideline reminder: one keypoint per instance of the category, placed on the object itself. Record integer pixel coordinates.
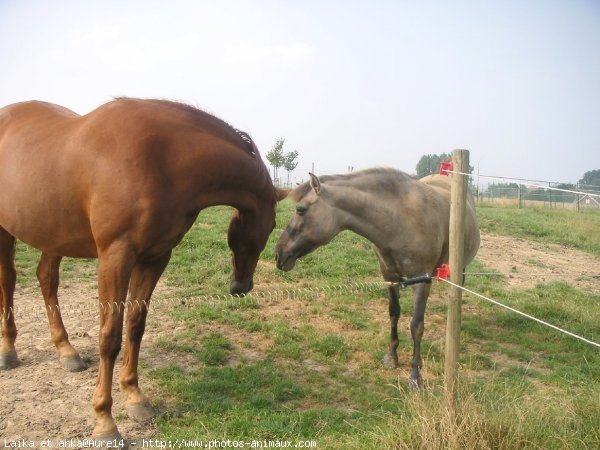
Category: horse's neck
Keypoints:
(239, 185)
(372, 214)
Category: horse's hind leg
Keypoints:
(8, 277)
(391, 359)
(143, 281)
(417, 326)
(48, 276)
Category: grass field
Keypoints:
(579, 230)
(310, 368)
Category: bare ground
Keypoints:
(42, 401)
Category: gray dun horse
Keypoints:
(406, 219)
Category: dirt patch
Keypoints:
(40, 400)
(526, 263)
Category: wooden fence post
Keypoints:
(458, 201)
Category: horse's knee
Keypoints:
(110, 343)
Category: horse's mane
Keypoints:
(382, 174)
(204, 116)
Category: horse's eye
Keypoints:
(301, 210)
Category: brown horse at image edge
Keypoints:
(123, 184)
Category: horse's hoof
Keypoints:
(415, 384)
(72, 363)
(8, 360)
(111, 440)
(140, 412)
(390, 361)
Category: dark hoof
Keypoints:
(8, 360)
(112, 440)
(390, 361)
(415, 384)
(72, 363)
(140, 412)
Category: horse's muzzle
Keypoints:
(285, 261)
(241, 287)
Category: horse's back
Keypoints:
(29, 130)
(442, 185)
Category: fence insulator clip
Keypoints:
(416, 280)
(445, 166)
(443, 272)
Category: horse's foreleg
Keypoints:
(114, 271)
(417, 325)
(8, 277)
(391, 359)
(143, 281)
(48, 277)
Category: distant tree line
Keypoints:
(589, 183)
(590, 179)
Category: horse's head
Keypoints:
(313, 224)
(248, 233)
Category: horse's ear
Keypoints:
(280, 194)
(315, 183)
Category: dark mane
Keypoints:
(383, 174)
(204, 116)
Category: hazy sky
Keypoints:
(347, 83)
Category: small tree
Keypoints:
(290, 162)
(276, 157)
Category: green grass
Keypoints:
(212, 349)
(557, 226)
(331, 350)
(310, 368)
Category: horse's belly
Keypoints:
(39, 220)
(55, 240)
(73, 246)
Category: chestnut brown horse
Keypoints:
(123, 184)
